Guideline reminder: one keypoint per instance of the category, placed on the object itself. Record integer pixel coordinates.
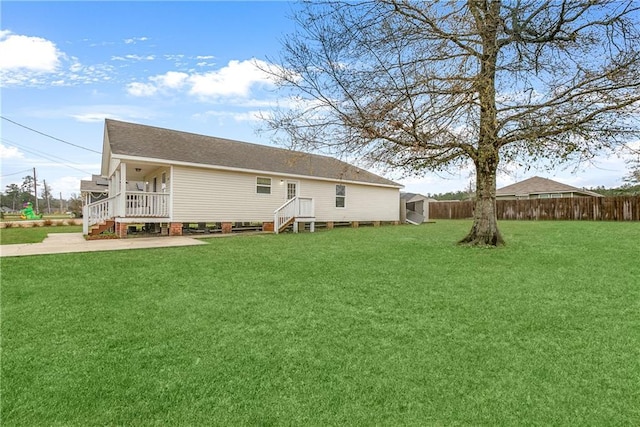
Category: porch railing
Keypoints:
(100, 211)
(291, 210)
(143, 204)
(136, 205)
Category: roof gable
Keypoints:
(129, 139)
(538, 185)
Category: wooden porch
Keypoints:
(130, 206)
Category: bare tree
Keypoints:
(46, 195)
(424, 86)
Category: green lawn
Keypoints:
(15, 235)
(369, 326)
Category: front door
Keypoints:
(292, 189)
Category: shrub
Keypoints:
(9, 224)
(47, 222)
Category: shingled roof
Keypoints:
(149, 142)
(538, 185)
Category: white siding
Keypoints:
(201, 195)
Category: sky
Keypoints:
(189, 66)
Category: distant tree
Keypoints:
(75, 205)
(433, 85)
(26, 189)
(13, 193)
(452, 195)
(46, 195)
(633, 177)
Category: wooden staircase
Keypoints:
(102, 226)
(298, 209)
(286, 224)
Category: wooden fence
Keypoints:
(621, 208)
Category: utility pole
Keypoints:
(35, 189)
(47, 196)
(61, 205)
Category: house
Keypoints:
(189, 178)
(541, 188)
(98, 188)
(414, 208)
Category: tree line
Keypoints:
(16, 195)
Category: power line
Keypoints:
(54, 160)
(34, 151)
(49, 136)
(15, 173)
(50, 157)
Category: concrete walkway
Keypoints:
(58, 243)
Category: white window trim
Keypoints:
(343, 197)
(258, 185)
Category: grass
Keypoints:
(16, 235)
(384, 326)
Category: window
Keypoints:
(263, 185)
(341, 195)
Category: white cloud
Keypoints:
(236, 79)
(10, 153)
(247, 116)
(18, 52)
(141, 89)
(67, 185)
(172, 79)
(135, 40)
(97, 113)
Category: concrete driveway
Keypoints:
(58, 243)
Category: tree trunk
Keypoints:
(485, 224)
(484, 231)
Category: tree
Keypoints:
(13, 192)
(633, 177)
(421, 86)
(46, 195)
(75, 205)
(26, 189)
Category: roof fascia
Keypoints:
(123, 157)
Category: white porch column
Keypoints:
(170, 186)
(123, 190)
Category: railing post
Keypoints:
(85, 220)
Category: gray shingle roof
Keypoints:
(97, 184)
(538, 185)
(152, 142)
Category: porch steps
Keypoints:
(286, 224)
(102, 226)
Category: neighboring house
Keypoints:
(414, 208)
(98, 189)
(190, 178)
(541, 188)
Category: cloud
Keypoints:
(141, 89)
(35, 62)
(247, 116)
(67, 185)
(135, 40)
(172, 79)
(7, 153)
(132, 57)
(236, 79)
(97, 113)
(19, 52)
